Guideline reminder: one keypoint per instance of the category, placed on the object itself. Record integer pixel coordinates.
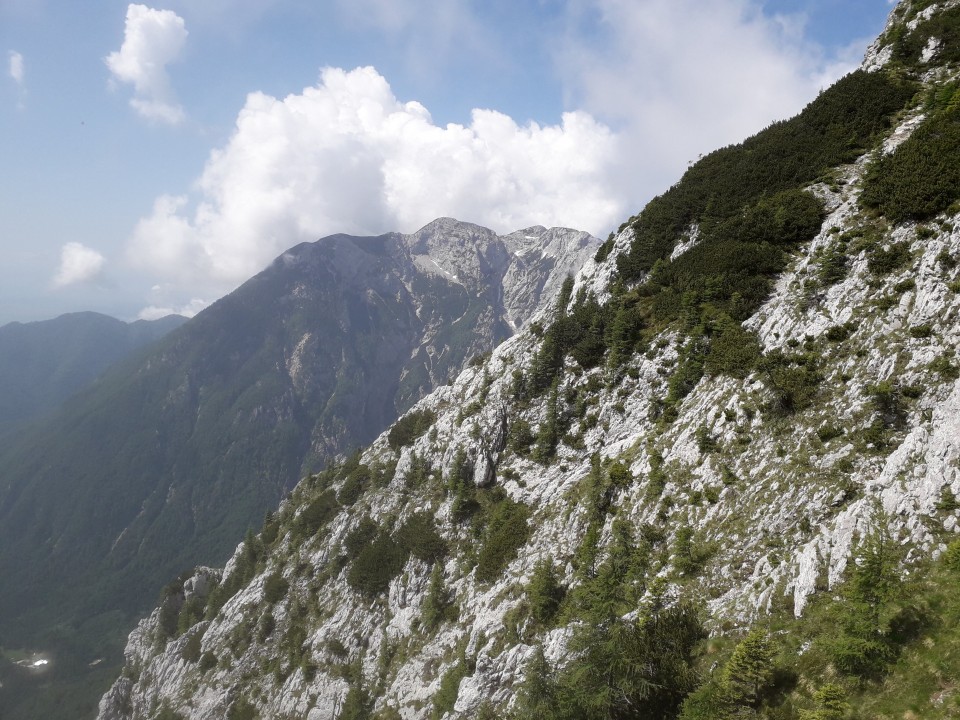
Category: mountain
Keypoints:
(44, 363)
(717, 479)
(173, 454)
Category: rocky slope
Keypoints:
(172, 455)
(743, 398)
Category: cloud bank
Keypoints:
(78, 264)
(348, 156)
(152, 40)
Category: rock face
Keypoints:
(778, 498)
(174, 454)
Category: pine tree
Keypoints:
(548, 435)
(873, 595)
(831, 704)
(632, 669)
(438, 604)
(537, 697)
(749, 672)
(356, 705)
(545, 593)
(620, 579)
(622, 336)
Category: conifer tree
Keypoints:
(639, 668)
(622, 335)
(831, 704)
(537, 697)
(548, 434)
(873, 597)
(749, 672)
(545, 593)
(438, 604)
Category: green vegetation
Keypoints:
(886, 259)
(793, 379)
(597, 497)
(621, 666)
(446, 696)
(242, 709)
(275, 588)
(357, 481)
(922, 177)
(315, 516)
(191, 650)
(505, 531)
(377, 556)
(880, 645)
(945, 26)
(833, 264)
(410, 427)
(439, 605)
(742, 689)
(498, 524)
(748, 210)
(548, 434)
(545, 593)
(167, 713)
(690, 553)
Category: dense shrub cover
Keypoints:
(744, 209)
(944, 26)
(410, 427)
(321, 510)
(507, 531)
(377, 556)
(922, 177)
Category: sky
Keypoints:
(155, 156)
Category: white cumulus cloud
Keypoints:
(152, 40)
(78, 264)
(347, 156)
(16, 67)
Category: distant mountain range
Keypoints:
(44, 363)
(173, 454)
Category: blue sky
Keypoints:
(156, 155)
